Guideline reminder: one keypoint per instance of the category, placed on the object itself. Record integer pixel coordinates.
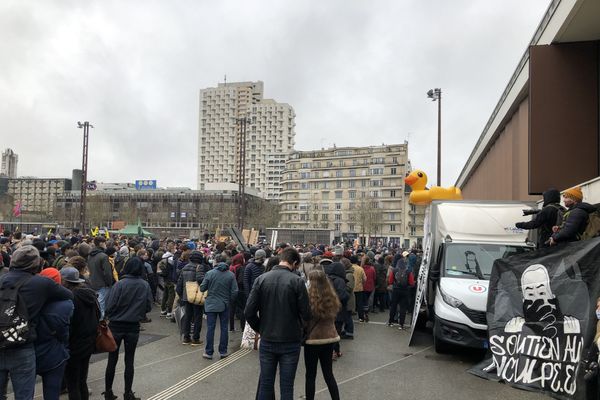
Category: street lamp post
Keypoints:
(436, 94)
(86, 131)
(241, 211)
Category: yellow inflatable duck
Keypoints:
(422, 196)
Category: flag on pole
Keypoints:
(17, 209)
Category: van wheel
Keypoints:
(440, 346)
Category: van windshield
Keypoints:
(475, 261)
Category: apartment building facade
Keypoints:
(269, 137)
(37, 196)
(354, 191)
(9, 164)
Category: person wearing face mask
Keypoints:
(575, 219)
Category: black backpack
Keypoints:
(14, 317)
(401, 278)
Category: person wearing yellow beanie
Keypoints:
(575, 218)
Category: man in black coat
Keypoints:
(546, 218)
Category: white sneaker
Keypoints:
(169, 315)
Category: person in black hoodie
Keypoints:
(337, 276)
(82, 335)
(575, 218)
(127, 304)
(546, 218)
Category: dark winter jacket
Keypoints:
(278, 306)
(51, 345)
(130, 299)
(337, 276)
(36, 292)
(252, 271)
(381, 274)
(546, 218)
(100, 270)
(189, 273)
(395, 285)
(222, 288)
(575, 221)
(84, 323)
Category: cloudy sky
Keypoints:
(356, 72)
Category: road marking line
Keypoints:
(377, 369)
(184, 384)
(199, 376)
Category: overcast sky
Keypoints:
(356, 73)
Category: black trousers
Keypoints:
(76, 375)
(400, 298)
(130, 338)
(237, 310)
(313, 354)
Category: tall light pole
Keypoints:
(241, 212)
(436, 94)
(86, 132)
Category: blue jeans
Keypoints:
(348, 323)
(52, 382)
(211, 321)
(271, 354)
(102, 295)
(19, 364)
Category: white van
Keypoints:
(463, 239)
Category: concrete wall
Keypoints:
(503, 171)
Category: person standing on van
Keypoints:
(546, 218)
(575, 219)
(401, 281)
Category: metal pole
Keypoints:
(243, 180)
(439, 152)
(86, 127)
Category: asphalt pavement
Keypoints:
(377, 364)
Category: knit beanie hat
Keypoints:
(196, 257)
(574, 193)
(51, 273)
(26, 258)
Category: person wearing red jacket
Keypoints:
(400, 280)
(369, 285)
(238, 265)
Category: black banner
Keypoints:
(542, 321)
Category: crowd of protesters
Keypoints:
(69, 284)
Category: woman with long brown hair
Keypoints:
(321, 333)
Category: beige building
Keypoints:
(269, 137)
(37, 195)
(354, 191)
(9, 164)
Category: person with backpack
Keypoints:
(550, 215)
(52, 342)
(166, 269)
(575, 219)
(401, 280)
(23, 295)
(193, 312)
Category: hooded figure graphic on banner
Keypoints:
(541, 310)
(541, 319)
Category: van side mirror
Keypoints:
(434, 274)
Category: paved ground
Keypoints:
(377, 364)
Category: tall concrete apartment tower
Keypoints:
(269, 137)
(9, 164)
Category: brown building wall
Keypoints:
(503, 171)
